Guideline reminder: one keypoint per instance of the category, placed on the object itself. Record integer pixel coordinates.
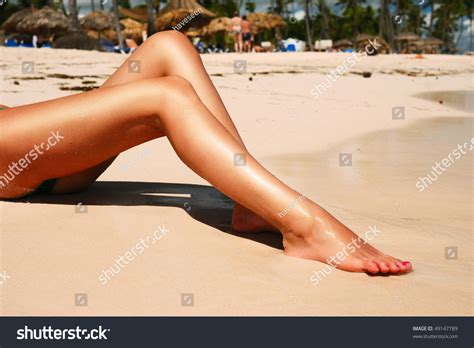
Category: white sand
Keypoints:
(50, 252)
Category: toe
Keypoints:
(408, 266)
(393, 266)
(384, 267)
(371, 267)
(400, 266)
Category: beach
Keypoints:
(359, 149)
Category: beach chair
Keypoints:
(11, 43)
(26, 45)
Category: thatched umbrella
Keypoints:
(364, 40)
(10, 25)
(433, 41)
(133, 29)
(430, 45)
(262, 21)
(405, 39)
(343, 44)
(190, 5)
(180, 20)
(220, 24)
(98, 21)
(139, 13)
(44, 22)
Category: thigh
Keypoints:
(75, 134)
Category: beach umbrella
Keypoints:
(43, 22)
(133, 29)
(10, 25)
(180, 19)
(432, 41)
(407, 37)
(264, 21)
(98, 21)
(430, 45)
(406, 40)
(190, 5)
(220, 24)
(343, 44)
(139, 13)
(364, 40)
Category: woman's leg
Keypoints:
(97, 125)
(170, 53)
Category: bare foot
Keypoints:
(244, 220)
(328, 240)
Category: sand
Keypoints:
(53, 251)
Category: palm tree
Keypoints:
(386, 24)
(446, 16)
(74, 24)
(469, 9)
(150, 11)
(115, 10)
(351, 10)
(308, 25)
(92, 6)
(325, 24)
(430, 27)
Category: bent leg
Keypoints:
(167, 53)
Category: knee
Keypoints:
(169, 40)
(169, 92)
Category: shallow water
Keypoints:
(382, 169)
(461, 100)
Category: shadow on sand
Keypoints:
(202, 203)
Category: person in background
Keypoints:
(246, 34)
(236, 30)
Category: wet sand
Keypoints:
(53, 249)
